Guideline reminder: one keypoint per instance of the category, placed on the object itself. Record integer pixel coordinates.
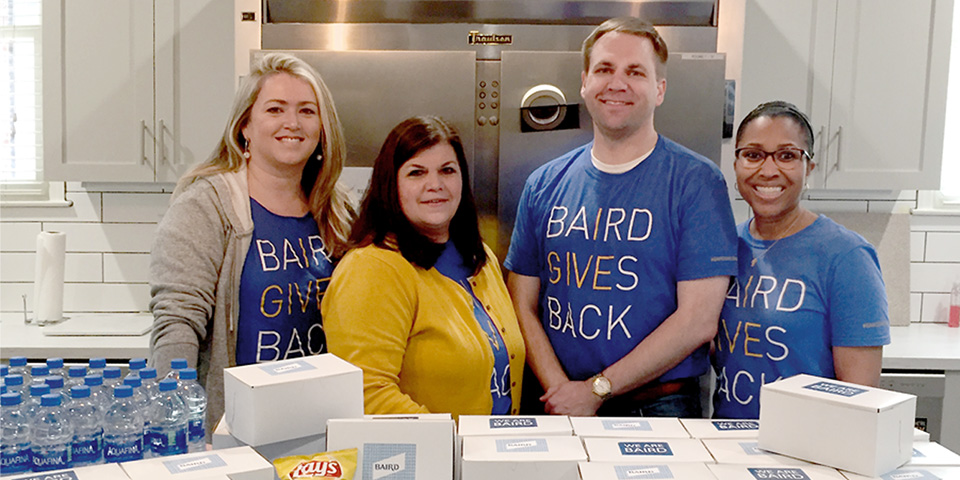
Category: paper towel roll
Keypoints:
(48, 281)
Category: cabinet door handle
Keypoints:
(143, 142)
(822, 151)
(839, 138)
(163, 147)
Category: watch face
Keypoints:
(601, 386)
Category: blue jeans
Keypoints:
(683, 404)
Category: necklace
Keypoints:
(753, 263)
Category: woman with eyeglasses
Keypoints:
(808, 296)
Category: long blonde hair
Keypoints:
(326, 197)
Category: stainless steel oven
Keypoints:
(506, 73)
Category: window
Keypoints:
(21, 161)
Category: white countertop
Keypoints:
(923, 346)
(16, 338)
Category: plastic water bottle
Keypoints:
(123, 428)
(55, 365)
(139, 397)
(18, 366)
(75, 376)
(56, 386)
(14, 383)
(15, 435)
(111, 377)
(86, 415)
(137, 364)
(31, 406)
(176, 365)
(96, 365)
(97, 392)
(51, 436)
(196, 400)
(167, 430)
(148, 377)
(38, 373)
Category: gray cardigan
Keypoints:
(195, 267)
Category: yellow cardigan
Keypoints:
(413, 333)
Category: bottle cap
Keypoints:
(13, 380)
(188, 374)
(8, 399)
(98, 362)
(50, 400)
(148, 373)
(54, 363)
(167, 384)
(18, 361)
(4, 370)
(55, 381)
(39, 389)
(39, 371)
(132, 380)
(111, 372)
(79, 391)
(137, 363)
(77, 371)
(93, 380)
(122, 391)
(178, 363)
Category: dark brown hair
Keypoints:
(381, 215)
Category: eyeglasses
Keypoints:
(785, 158)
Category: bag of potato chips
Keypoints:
(338, 465)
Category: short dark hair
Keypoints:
(779, 108)
(632, 26)
(381, 215)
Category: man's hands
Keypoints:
(574, 398)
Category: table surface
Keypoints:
(923, 346)
(16, 338)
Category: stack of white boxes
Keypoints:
(524, 447)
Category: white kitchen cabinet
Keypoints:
(138, 91)
(872, 75)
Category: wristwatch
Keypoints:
(601, 386)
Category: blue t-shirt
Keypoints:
(609, 250)
(284, 276)
(812, 291)
(450, 264)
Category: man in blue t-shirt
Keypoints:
(623, 248)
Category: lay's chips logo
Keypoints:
(311, 469)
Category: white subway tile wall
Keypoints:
(110, 229)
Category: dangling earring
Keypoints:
(246, 149)
(319, 157)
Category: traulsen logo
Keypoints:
(645, 448)
(778, 474)
(391, 461)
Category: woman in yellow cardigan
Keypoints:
(420, 304)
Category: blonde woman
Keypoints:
(244, 254)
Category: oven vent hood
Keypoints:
(502, 12)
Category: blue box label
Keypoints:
(193, 464)
(515, 422)
(778, 474)
(728, 425)
(521, 445)
(67, 475)
(835, 389)
(918, 474)
(629, 472)
(751, 448)
(645, 448)
(283, 368)
(627, 425)
(391, 461)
